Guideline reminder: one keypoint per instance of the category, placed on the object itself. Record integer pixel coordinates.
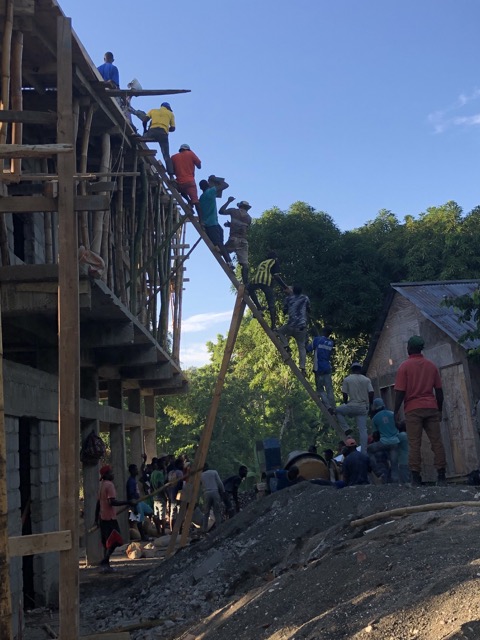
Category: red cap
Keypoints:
(105, 469)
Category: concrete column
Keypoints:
(150, 435)
(90, 473)
(136, 436)
(118, 453)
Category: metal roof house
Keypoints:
(419, 308)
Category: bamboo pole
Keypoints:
(6, 58)
(140, 218)
(83, 217)
(17, 97)
(99, 215)
(5, 595)
(193, 485)
(418, 508)
(119, 224)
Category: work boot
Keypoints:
(416, 479)
(441, 479)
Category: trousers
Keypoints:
(417, 421)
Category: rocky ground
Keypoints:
(291, 566)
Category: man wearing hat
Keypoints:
(357, 397)
(239, 225)
(184, 163)
(106, 515)
(356, 464)
(162, 123)
(419, 387)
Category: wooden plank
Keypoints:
(29, 117)
(40, 543)
(33, 204)
(118, 635)
(98, 187)
(186, 512)
(33, 150)
(68, 341)
(5, 595)
(139, 92)
(77, 176)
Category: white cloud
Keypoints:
(444, 119)
(194, 355)
(204, 321)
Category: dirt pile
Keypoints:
(291, 566)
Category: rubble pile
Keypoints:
(291, 566)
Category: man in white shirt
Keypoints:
(212, 490)
(357, 398)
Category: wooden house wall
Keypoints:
(459, 378)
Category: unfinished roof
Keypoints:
(429, 297)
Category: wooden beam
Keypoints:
(139, 92)
(5, 595)
(40, 543)
(186, 512)
(77, 176)
(33, 150)
(68, 340)
(33, 204)
(29, 117)
(98, 187)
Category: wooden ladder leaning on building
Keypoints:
(191, 490)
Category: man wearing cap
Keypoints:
(184, 163)
(356, 464)
(209, 218)
(162, 123)
(357, 393)
(108, 70)
(418, 385)
(239, 225)
(106, 515)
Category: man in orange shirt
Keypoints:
(419, 386)
(106, 515)
(184, 163)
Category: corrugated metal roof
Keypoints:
(428, 298)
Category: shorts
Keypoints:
(106, 528)
(160, 508)
(189, 190)
(240, 246)
(215, 233)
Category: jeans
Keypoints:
(161, 136)
(300, 336)
(416, 422)
(269, 297)
(359, 411)
(323, 384)
(211, 500)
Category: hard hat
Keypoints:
(185, 147)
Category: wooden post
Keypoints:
(5, 595)
(98, 215)
(68, 340)
(17, 97)
(150, 435)
(82, 169)
(193, 486)
(93, 547)
(118, 452)
(136, 437)
(6, 56)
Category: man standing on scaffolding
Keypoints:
(267, 271)
(162, 123)
(209, 218)
(239, 225)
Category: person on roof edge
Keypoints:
(108, 70)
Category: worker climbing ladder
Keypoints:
(190, 493)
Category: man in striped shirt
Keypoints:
(266, 272)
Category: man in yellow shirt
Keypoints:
(162, 123)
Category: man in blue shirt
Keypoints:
(108, 70)
(356, 465)
(209, 218)
(384, 422)
(322, 347)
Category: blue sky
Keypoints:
(352, 106)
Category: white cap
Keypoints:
(186, 147)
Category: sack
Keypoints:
(93, 449)
(473, 478)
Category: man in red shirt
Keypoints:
(106, 515)
(184, 163)
(419, 386)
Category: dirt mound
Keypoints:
(291, 566)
